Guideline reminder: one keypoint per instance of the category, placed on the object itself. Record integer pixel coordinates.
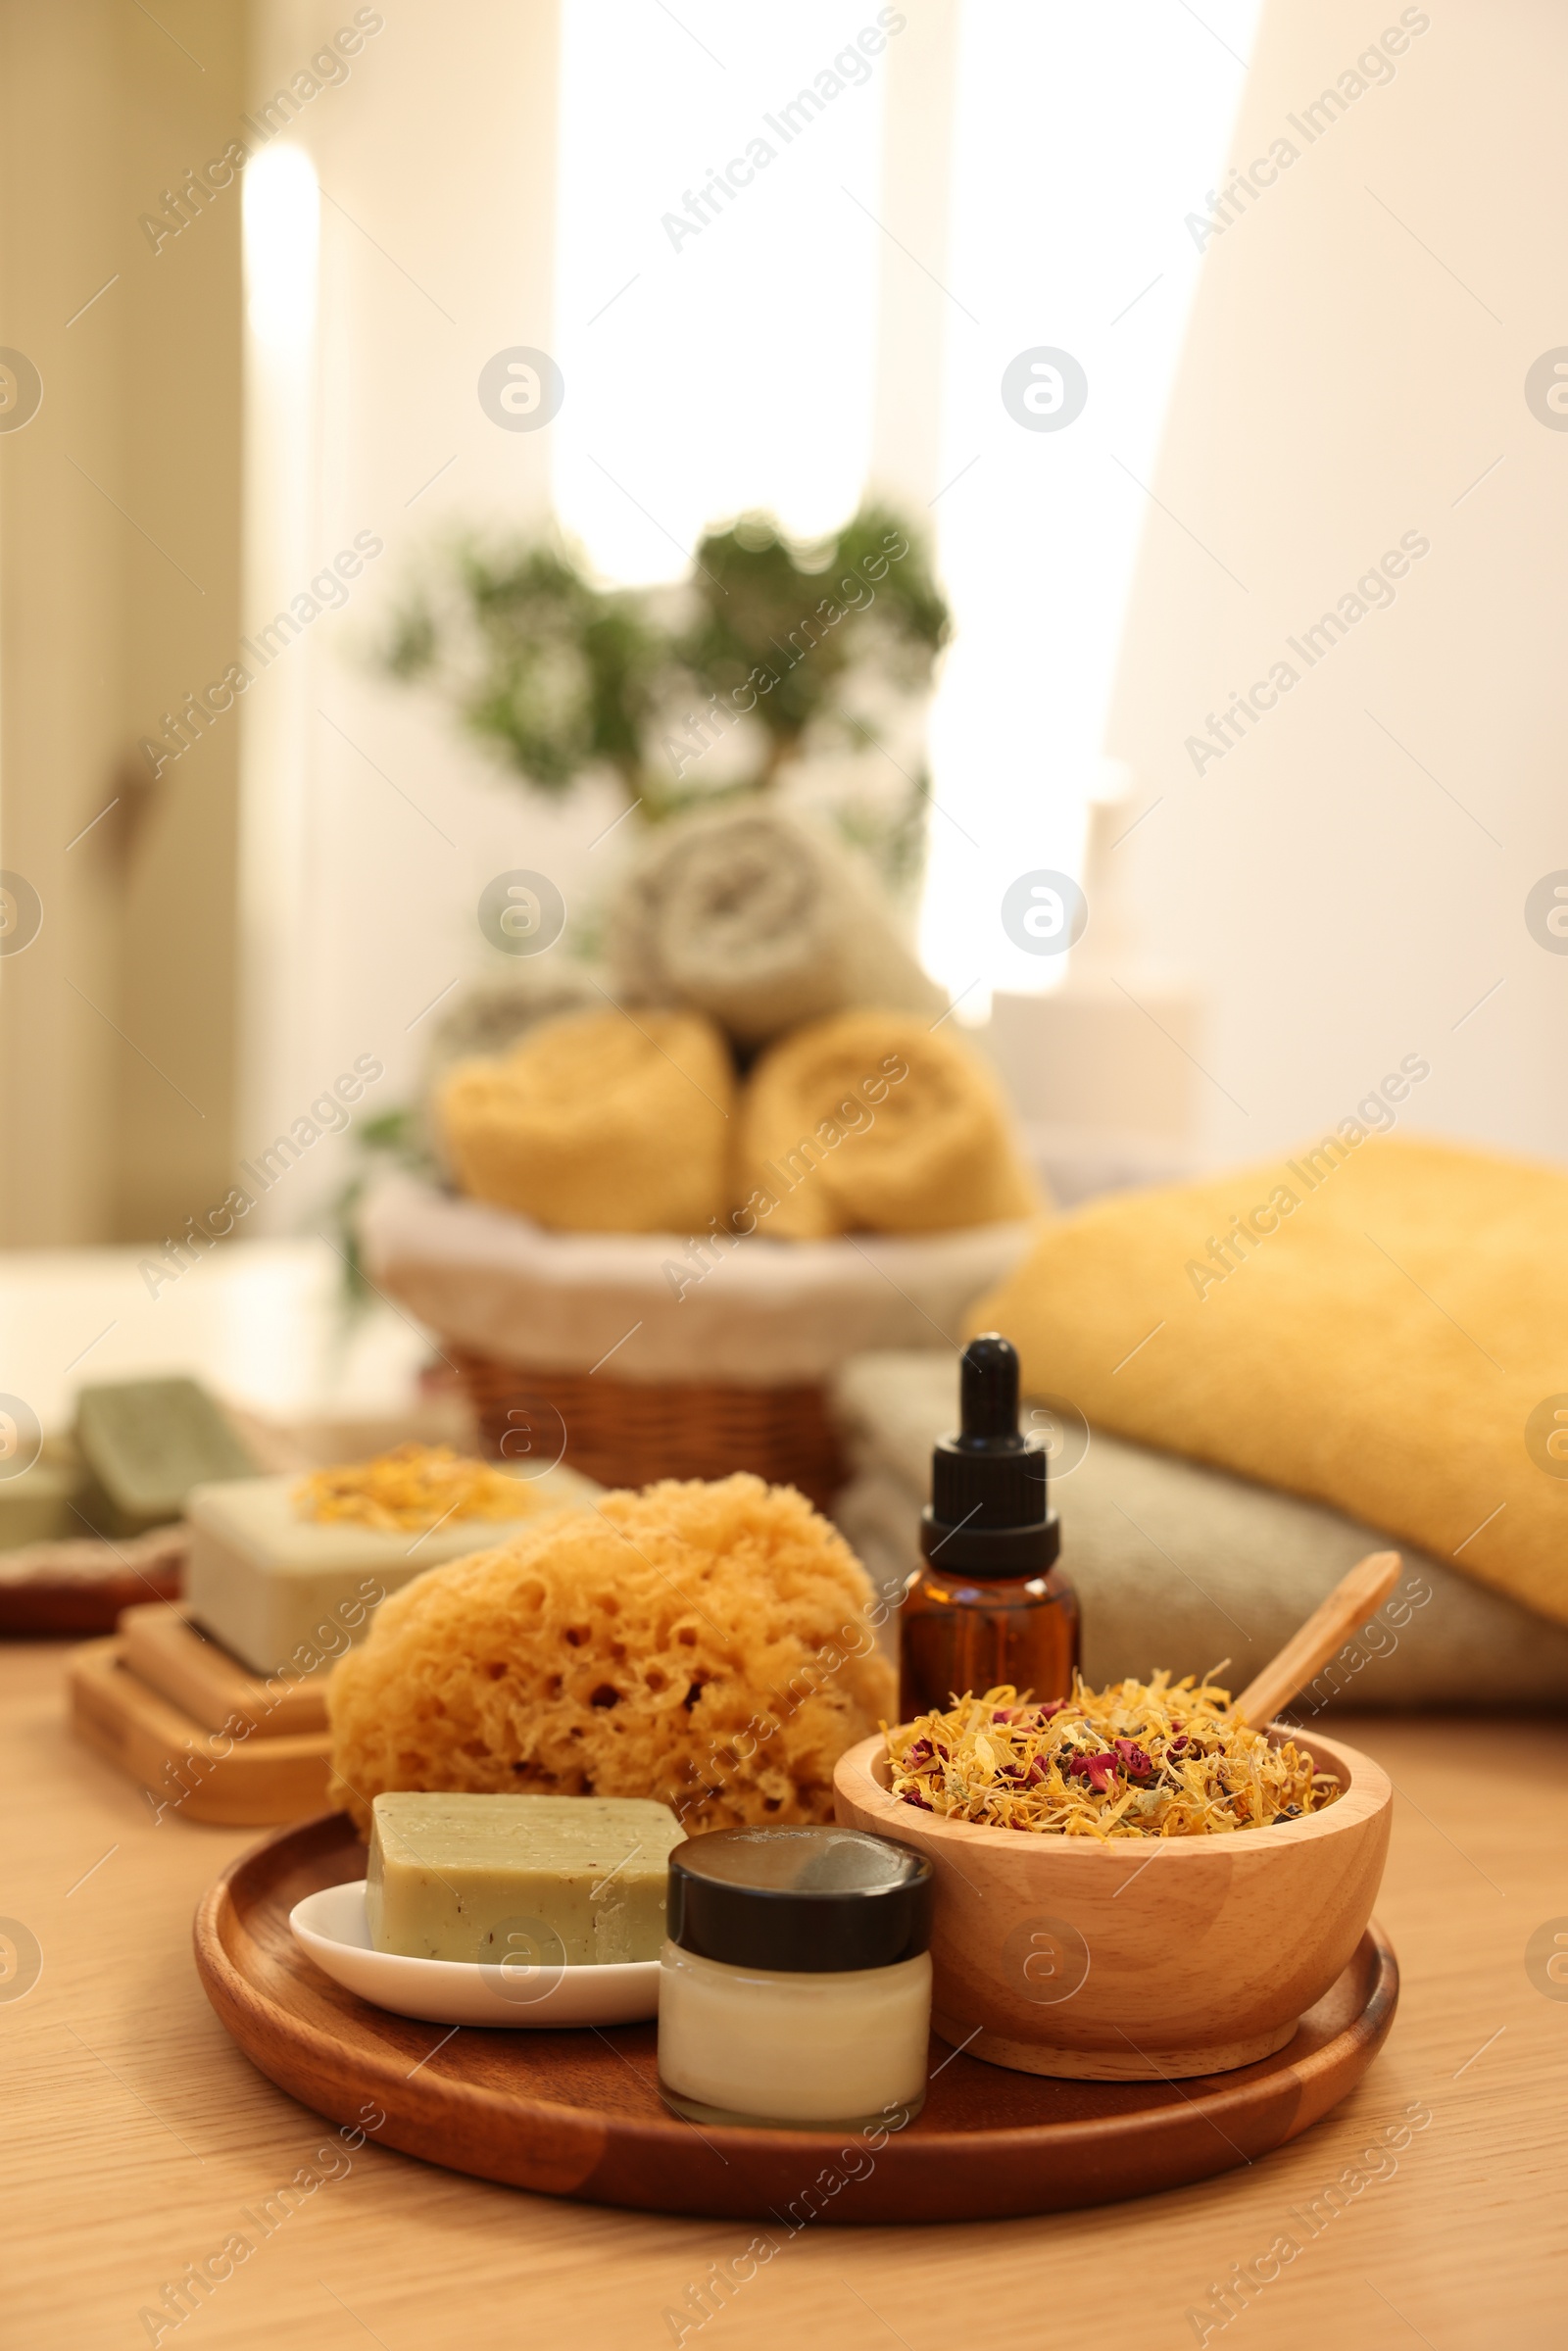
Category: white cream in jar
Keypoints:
(795, 1986)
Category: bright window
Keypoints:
(1084, 137)
(720, 345)
(716, 337)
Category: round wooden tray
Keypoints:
(578, 2114)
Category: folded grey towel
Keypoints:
(1179, 1565)
(758, 919)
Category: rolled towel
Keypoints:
(487, 1018)
(871, 1122)
(598, 1122)
(761, 921)
(490, 1015)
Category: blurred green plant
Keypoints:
(557, 674)
(397, 1138)
(781, 647)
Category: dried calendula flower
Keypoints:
(412, 1488)
(1136, 1759)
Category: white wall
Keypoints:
(1356, 363)
(436, 164)
(119, 594)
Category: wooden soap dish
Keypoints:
(578, 2114)
(208, 1741)
(185, 1665)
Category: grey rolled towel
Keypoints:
(761, 920)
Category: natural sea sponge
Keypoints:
(598, 1122)
(703, 1645)
(874, 1122)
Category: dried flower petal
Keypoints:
(1137, 1759)
(411, 1487)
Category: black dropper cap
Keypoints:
(989, 1515)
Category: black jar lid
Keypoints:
(803, 1901)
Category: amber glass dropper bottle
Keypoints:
(989, 1604)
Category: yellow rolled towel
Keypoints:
(601, 1122)
(1376, 1323)
(872, 1122)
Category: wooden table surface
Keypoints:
(135, 2135)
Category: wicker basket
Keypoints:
(581, 1346)
(630, 1432)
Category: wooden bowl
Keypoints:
(1142, 1959)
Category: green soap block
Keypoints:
(144, 1445)
(35, 1506)
(525, 1883)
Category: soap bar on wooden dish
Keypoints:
(288, 1592)
(523, 1883)
(144, 1445)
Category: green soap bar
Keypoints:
(145, 1443)
(35, 1506)
(525, 1883)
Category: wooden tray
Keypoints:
(578, 2114)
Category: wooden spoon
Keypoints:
(1356, 1599)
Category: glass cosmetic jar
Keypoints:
(795, 1989)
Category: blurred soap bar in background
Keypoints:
(144, 1445)
(35, 1504)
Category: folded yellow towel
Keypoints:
(1376, 1323)
(872, 1122)
(601, 1122)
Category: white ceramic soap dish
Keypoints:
(331, 1927)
